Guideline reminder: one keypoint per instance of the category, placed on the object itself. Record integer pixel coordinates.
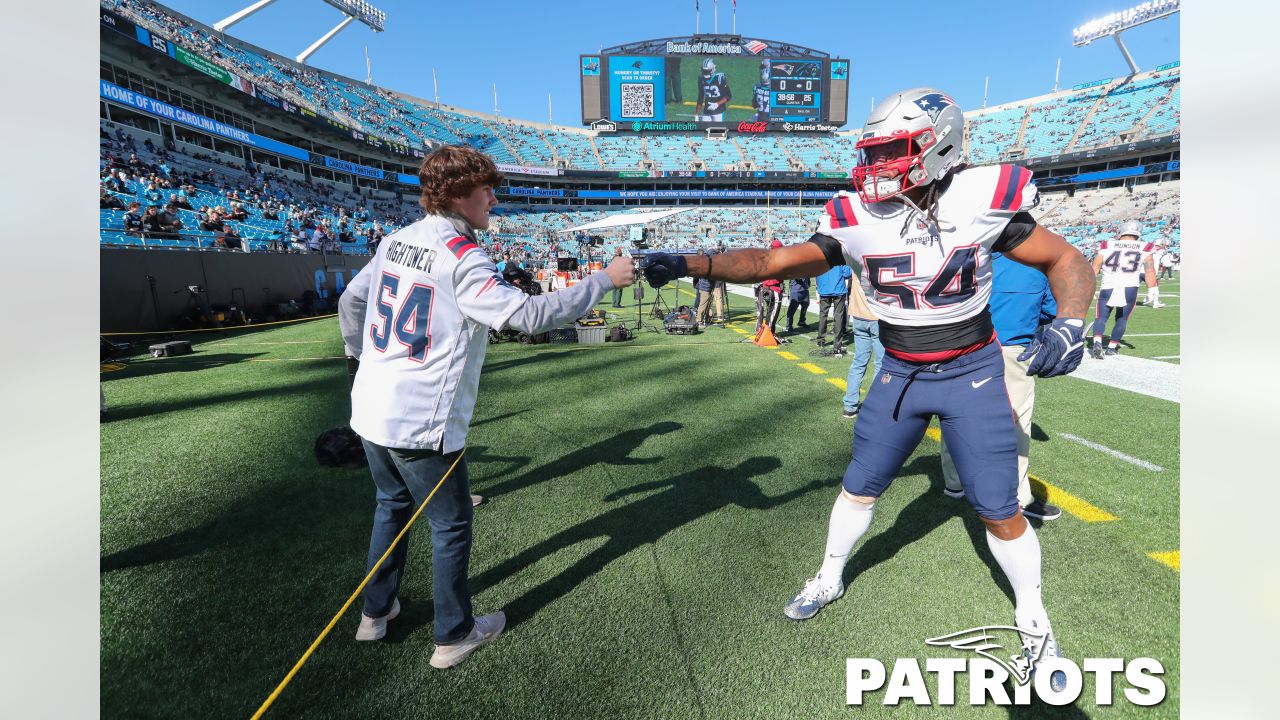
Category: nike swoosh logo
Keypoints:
(977, 384)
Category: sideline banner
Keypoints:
(111, 91)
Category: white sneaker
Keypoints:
(486, 630)
(376, 628)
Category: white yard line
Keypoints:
(1168, 357)
(1152, 334)
(1113, 453)
(1153, 378)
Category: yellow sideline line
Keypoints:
(787, 356)
(812, 368)
(328, 628)
(1173, 559)
(1053, 494)
(840, 383)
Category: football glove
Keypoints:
(661, 268)
(1057, 350)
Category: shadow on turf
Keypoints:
(612, 451)
(922, 516)
(156, 408)
(672, 503)
(185, 363)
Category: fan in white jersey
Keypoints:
(418, 318)
(919, 232)
(1121, 261)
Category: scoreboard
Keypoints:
(703, 82)
(795, 90)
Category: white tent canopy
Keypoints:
(625, 219)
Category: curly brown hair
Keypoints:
(453, 172)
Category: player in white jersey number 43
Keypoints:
(919, 233)
(1121, 261)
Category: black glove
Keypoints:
(661, 268)
(1057, 350)
(352, 366)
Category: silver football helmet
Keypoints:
(1130, 227)
(912, 138)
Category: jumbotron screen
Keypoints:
(740, 92)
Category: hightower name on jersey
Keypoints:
(411, 256)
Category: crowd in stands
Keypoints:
(161, 196)
(1118, 111)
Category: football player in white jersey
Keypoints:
(919, 232)
(1120, 261)
(418, 318)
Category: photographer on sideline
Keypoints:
(434, 295)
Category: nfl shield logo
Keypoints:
(884, 379)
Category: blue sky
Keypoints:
(530, 48)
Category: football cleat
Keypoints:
(1111, 351)
(813, 598)
(1041, 510)
(1095, 351)
(1058, 680)
(849, 414)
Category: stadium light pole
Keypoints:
(302, 59)
(223, 24)
(1116, 23)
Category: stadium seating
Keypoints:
(1075, 120)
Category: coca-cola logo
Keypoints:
(752, 127)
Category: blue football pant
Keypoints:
(1022, 395)
(1122, 313)
(968, 396)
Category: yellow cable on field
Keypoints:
(325, 633)
(221, 329)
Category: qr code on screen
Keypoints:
(637, 100)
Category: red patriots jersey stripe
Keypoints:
(488, 284)
(1008, 195)
(460, 245)
(841, 212)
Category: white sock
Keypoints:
(1020, 560)
(849, 521)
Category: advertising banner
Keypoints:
(196, 62)
(694, 194)
(505, 168)
(111, 91)
(636, 86)
(353, 168)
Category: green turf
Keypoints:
(652, 506)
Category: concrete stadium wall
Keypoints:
(266, 279)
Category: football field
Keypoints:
(651, 507)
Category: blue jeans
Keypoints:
(403, 479)
(866, 343)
